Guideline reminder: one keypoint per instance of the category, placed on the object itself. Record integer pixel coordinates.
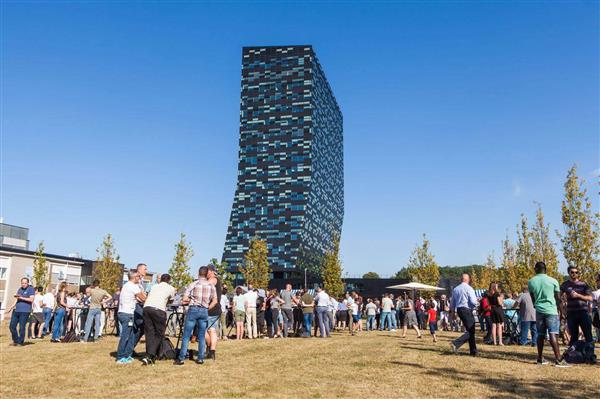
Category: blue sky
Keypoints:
(123, 118)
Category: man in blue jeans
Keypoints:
(308, 303)
(22, 308)
(98, 299)
(386, 312)
(130, 292)
(201, 296)
(48, 302)
(322, 302)
(526, 317)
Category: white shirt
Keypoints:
(371, 309)
(224, 303)
(71, 301)
(250, 298)
(322, 299)
(333, 304)
(159, 296)
(354, 308)
(36, 307)
(596, 298)
(435, 304)
(386, 305)
(48, 300)
(127, 299)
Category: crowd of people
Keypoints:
(543, 310)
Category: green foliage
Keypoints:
(331, 272)
(371, 275)
(453, 273)
(180, 267)
(256, 270)
(40, 269)
(580, 239)
(422, 266)
(543, 247)
(488, 274)
(404, 274)
(108, 269)
(226, 276)
(509, 272)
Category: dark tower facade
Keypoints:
(290, 188)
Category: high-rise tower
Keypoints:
(290, 188)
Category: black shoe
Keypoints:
(147, 361)
(199, 361)
(178, 362)
(212, 355)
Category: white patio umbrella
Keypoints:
(416, 286)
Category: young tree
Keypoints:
(489, 272)
(256, 270)
(226, 276)
(108, 269)
(422, 266)
(543, 247)
(180, 267)
(40, 270)
(508, 272)
(331, 272)
(475, 279)
(371, 275)
(580, 239)
(524, 259)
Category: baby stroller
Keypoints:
(512, 329)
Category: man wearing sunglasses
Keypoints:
(578, 295)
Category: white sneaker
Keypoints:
(453, 347)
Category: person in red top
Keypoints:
(486, 312)
(432, 320)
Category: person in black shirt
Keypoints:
(496, 301)
(578, 295)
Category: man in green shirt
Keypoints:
(308, 303)
(545, 294)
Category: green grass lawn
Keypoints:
(375, 364)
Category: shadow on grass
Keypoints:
(502, 387)
(526, 358)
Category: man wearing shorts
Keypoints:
(37, 315)
(545, 291)
(214, 314)
(410, 317)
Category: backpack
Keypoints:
(580, 352)
(596, 319)
(166, 350)
(70, 337)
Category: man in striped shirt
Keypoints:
(201, 296)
